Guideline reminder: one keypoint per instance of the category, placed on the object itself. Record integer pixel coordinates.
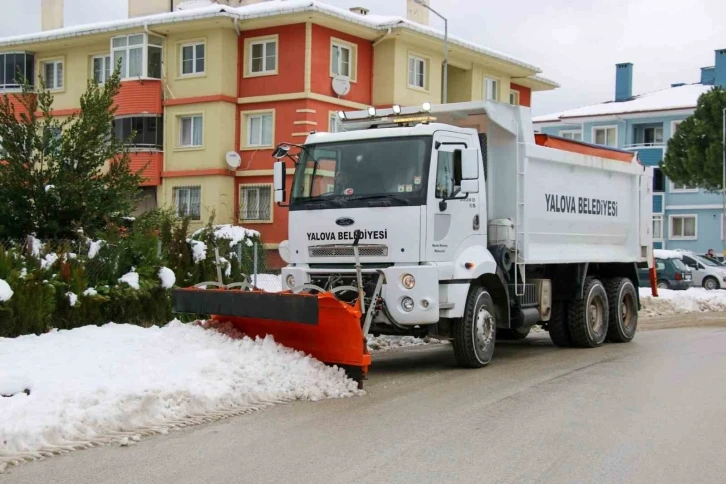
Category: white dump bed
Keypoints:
(567, 207)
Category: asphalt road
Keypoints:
(653, 410)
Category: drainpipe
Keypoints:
(382, 37)
(236, 26)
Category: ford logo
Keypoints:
(345, 221)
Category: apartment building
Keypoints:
(210, 87)
(684, 217)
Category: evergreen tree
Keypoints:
(695, 151)
(60, 175)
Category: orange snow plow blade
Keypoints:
(320, 325)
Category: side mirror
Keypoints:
(469, 165)
(281, 151)
(469, 186)
(278, 179)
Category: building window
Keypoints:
(190, 131)
(341, 62)
(683, 227)
(514, 97)
(653, 136)
(682, 188)
(192, 58)
(657, 227)
(147, 131)
(491, 89)
(188, 201)
(573, 134)
(675, 125)
(139, 54)
(334, 123)
(658, 180)
(13, 67)
(263, 56)
(259, 129)
(255, 203)
(53, 74)
(101, 68)
(607, 136)
(416, 72)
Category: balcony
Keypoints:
(139, 97)
(650, 154)
(152, 172)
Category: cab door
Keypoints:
(450, 221)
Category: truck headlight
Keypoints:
(408, 281)
(407, 304)
(290, 281)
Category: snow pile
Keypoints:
(5, 292)
(232, 233)
(35, 246)
(667, 254)
(90, 292)
(385, 343)
(94, 248)
(72, 298)
(199, 251)
(167, 277)
(131, 278)
(113, 384)
(48, 260)
(693, 300)
(268, 282)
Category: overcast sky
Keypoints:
(575, 42)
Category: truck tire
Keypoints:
(623, 309)
(589, 316)
(475, 333)
(514, 334)
(558, 326)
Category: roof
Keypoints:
(680, 97)
(260, 10)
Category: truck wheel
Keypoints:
(589, 316)
(710, 283)
(558, 327)
(515, 334)
(623, 309)
(475, 333)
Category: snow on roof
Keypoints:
(667, 254)
(681, 97)
(258, 10)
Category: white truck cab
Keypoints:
(469, 226)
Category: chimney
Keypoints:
(417, 13)
(360, 10)
(142, 8)
(623, 81)
(720, 69)
(51, 14)
(708, 76)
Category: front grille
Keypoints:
(347, 251)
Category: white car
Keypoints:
(706, 273)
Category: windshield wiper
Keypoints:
(389, 197)
(321, 201)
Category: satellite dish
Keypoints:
(284, 250)
(233, 159)
(341, 85)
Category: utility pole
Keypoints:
(723, 180)
(445, 87)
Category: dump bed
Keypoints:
(569, 201)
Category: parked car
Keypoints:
(671, 272)
(706, 273)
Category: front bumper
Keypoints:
(422, 298)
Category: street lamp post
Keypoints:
(723, 180)
(444, 94)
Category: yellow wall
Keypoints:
(385, 75)
(406, 95)
(478, 75)
(459, 85)
(219, 66)
(217, 194)
(218, 131)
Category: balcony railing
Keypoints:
(639, 146)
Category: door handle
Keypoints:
(475, 223)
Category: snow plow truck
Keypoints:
(456, 221)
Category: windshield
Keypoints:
(354, 173)
(705, 261)
(679, 265)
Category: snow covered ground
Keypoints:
(378, 344)
(116, 383)
(693, 300)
